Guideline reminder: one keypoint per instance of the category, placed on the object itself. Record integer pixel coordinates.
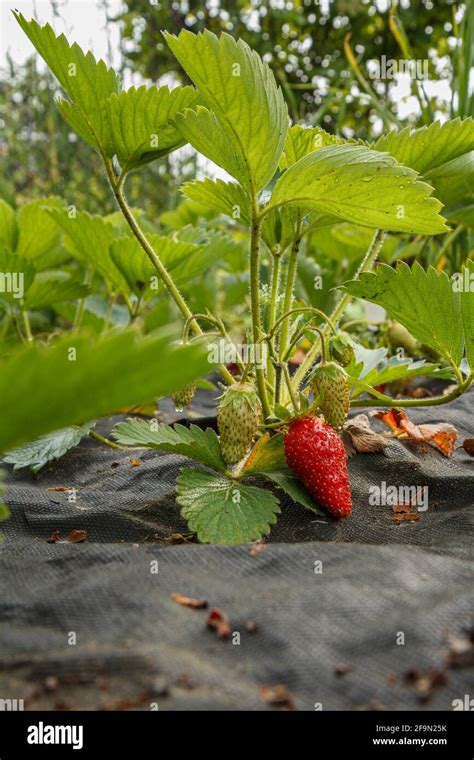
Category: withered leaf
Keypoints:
(189, 601)
(219, 622)
(468, 446)
(277, 695)
(77, 536)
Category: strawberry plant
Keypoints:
(288, 186)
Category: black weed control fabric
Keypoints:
(358, 614)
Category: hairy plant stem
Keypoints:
(108, 442)
(257, 330)
(383, 400)
(275, 288)
(289, 289)
(367, 263)
(27, 326)
(116, 184)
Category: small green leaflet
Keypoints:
(292, 486)
(87, 82)
(429, 147)
(425, 302)
(359, 185)
(8, 228)
(140, 122)
(47, 448)
(223, 197)
(46, 291)
(222, 511)
(193, 442)
(242, 93)
(38, 233)
(300, 141)
(467, 307)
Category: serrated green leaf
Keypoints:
(193, 442)
(140, 122)
(8, 229)
(423, 301)
(300, 141)
(454, 181)
(467, 309)
(292, 486)
(359, 185)
(267, 455)
(16, 276)
(80, 378)
(206, 134)
(241, 90)
(223, 511)
(45, 292)
(88, 239)
(429, 147)
(38, 232)
(47, 448)
(87, 82)
(223, 197)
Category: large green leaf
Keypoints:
(80, 378)
(17, 276)
(89, 239)
(222, 197)
(423, 301)
(223, 511)
(467, 307)
(429, 147)
(45, 292)
(205, 132)
(241, 90)
(454, 181)
(140, 122)
(300, 141)
(38, 233)
(8, 229)
(193, 442)
(47, 448)
(87, 82)
(295, 489)
(359, 185)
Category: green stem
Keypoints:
(116, 184)
(275, 288)
(108, 442)
(407, 402)
(448, 241)
(366, 264)
(289, 289)
(255, 303)
(27, 326)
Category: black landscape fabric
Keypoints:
(363, 613)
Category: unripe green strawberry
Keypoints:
(238, 416)
(329, 382)
(340, 349)
(399, 337)
(184, 397)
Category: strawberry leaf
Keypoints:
(223, 511)
(222, 197)
(356, 184)
(266, 456)
(292, 486)
(428, 148)
(140, 122)
(87, 82)
(193, 442)
(242, 93)
(422, 301)
(47, 448)
(80, 378)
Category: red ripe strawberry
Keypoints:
(315, 453)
